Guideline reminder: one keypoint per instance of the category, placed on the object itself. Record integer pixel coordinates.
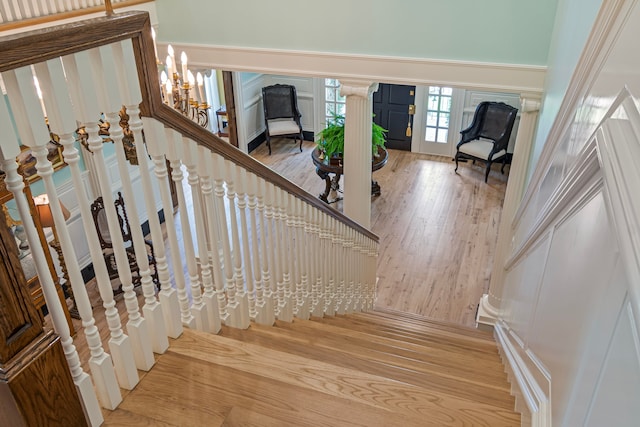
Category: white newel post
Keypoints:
(357, 149)
(63, 123)
(31, 126)
(85, 107)
(489, 308)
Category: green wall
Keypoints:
(573, 23)
(503, 31)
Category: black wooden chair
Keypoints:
(281, 114)
(487, 138)
(100, 221)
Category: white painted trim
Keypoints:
(608, 24)
(401, 70)
(530, 381)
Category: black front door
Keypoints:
(391, 104)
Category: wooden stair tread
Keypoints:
(440, 339)
(426, 321)
(358, 387)
(187, 391)
(420, 352)
(466, 387)
(243, 417)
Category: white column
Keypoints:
(357, 149)
(489, 308)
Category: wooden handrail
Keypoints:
(40, 45)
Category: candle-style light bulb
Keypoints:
(170, 51)
(200, 81)
(190, 78)
(183, 61)
(170, 69)
(163, 77)
(169, 88)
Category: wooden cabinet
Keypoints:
(26, 260)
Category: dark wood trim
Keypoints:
(40, 45)
(230, 101)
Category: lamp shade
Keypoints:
(44, 210)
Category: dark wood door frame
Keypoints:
(229, 99)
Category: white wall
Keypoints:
(570, 310)
(573, 22)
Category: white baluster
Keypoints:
(302, 262)
(264, 295)
(170, 144)
(198, 318)
(240, 309)
(286, 227)
(250, 180)
(124, 59)
(111, 105)
(229, 283)
(191, 161)
(214, 223)
(63, 122)
(241, 180)
(31, 127)
(86, 102)
(154, 137)
(276, 245)
(317, 287)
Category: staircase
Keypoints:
(380, 368)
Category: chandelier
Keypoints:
(182, 91)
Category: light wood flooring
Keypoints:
(437, 229)
(369, 369)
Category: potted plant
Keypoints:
(330, 140)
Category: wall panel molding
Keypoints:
(386, 69)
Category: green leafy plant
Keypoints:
(331, 139)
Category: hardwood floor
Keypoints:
(437, 229)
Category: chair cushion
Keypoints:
(283, 127)
(480, 149)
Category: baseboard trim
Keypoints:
(530, 382)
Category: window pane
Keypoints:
(447, 91)
(445, 103)
(340, 97)
(444, 120)
(340, 109)
(330, 82)
(330, 94)
(432, 103)
(434, 90)
(430, 135)
(442, 135)
(432, 119)
(331, 108)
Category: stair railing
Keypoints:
(262, 249)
